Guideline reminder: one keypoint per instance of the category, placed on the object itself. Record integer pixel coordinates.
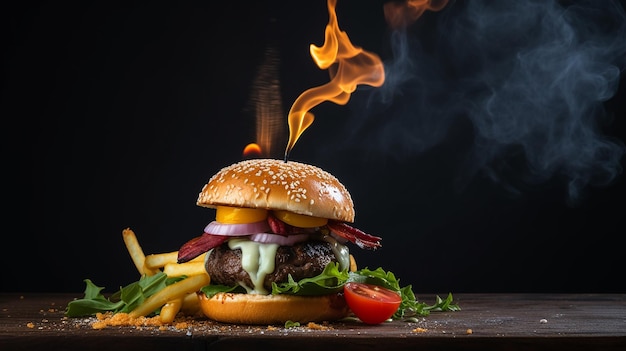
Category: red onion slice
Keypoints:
(281, 240)
(217, 228)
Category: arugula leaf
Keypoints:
(377, 277)
(124, 300)
(331, 280)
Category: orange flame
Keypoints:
(252, 150)
(267, 105)
(348, 66)
(402, 14)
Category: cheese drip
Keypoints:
(341, 252)
(257, 259)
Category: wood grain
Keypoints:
(486, 321)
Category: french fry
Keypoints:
(187, 268)
(199, 258)
(353, 267)
(155, 261)
(171, 292)
(191, 305)
(170, 310)
(136, 252)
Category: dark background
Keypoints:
(115, 117)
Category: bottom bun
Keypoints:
(272, 309)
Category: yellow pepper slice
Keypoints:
(236, 215)
(300, 220)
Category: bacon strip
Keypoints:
(199, 245)
(360, 238)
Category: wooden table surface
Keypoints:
(486, 321)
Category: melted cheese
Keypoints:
(257, 259)
(341, 252)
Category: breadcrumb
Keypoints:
(315, 326)
(124, 319)
(182, 325)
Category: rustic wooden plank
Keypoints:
(511, 321)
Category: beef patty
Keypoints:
(302, 260)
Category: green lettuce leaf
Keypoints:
(331, 280)
(124, 300)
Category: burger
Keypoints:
(278, 248)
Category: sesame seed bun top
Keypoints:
(278, 185)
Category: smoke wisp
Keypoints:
(531, 77)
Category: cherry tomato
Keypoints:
(373, 304)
